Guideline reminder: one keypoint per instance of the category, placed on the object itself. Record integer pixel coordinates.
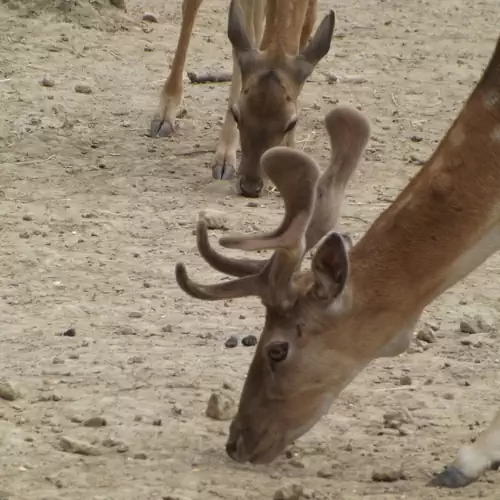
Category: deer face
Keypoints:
(294, 377)
(298, 369)
(271, 83)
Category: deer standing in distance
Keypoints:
(266, 81)
(359, 302)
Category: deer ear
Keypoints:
(330, 266)
(316, 49)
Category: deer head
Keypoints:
(286, 389)
(272, 79)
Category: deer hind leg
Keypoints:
(473, 459)
(225, 155)
(162, 124)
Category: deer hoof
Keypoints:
(451, 477)
(250, 188)
(161, 128)
(223, 172)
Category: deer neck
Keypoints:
(442, 226)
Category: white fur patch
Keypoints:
(495, 134)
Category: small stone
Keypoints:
(252, 204)
(405, 380)
(227, 385)
(74, 355)
(135, 360)
(76, 419)
(127, 330)
(83, 88)
(24, 235)
(110, 443)
(388, 475)
(332, 78)
(95, 422)
(70, 332)
(325, 473)
(249, 340)
(148, 48)
(140, 456)
(291, 492)
(231, 342)
(57, 360)
(477, 324)
(7, 391)
(449, 396)
(135, 314)
(122, 448)
(27, 218)
(416, 138)
(214, 219)
(137, 418)
(78, 447)
(220, 407)
(298, 464)
(167, 329)
(395, 419)
(177, 410)
(47, 82)
(426, 335)
(157, 422)
(149, 17)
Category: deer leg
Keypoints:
(162, 124)
(223, 167)
(473, 459)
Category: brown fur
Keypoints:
(357, 304)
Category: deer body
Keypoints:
(265, 83)
(358, 303)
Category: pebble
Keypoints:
(70, 332)
(356, 80)
(388, 475)
(83, 88)
(220, 407)
(7, 391)
(27, 218)
(298, 464)
(405, 380)
(395, 419)
(291, 492)
(149, 17)
(157, 422)
(95, 422)
(135, 314)
(426, 335)
(57, 360)
(249, 340)
(47, 82)
(140, 456)
(477, 324)
(214, 219)
(231, 342)
(127, 330)
(252, 204)
(122, 448)
(78, 446)
(167, 329)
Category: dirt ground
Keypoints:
(94, 215)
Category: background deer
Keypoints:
(271, 80)
(359, 303)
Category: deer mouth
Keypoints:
(261, 452)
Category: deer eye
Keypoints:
(278, 352)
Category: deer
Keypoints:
(358, 302)
(266, 81)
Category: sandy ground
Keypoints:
(94, 215)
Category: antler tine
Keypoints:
(296, 175)
(241, 287)
(227, 265)
(349, 131)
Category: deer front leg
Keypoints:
(162, 124)
(473, 459)
(225, 155)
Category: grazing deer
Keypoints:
(359, 302)
(265, 83)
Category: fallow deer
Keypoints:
(358, 303)
(265, 84)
